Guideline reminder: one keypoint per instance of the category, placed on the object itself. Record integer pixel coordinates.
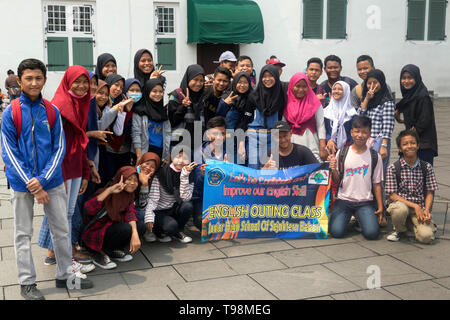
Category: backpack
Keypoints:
(17, 115)
(423, 166)
(341, 161)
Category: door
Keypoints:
(209, 52)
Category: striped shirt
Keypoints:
(160, 199)
(382, 117)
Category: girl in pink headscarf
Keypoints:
(304, 113)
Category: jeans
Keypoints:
(363, 211)
(45, 239)
(171, 221)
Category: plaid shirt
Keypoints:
(93, 237)
(411, 182)
(382, 117)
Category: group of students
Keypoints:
(106, 151)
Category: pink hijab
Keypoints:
(300, 112)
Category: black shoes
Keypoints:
(30, 292)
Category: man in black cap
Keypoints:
(290, 154)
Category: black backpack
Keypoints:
(341, 162)
(423, 166)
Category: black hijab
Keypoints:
(418, 91)
(155, 111)
(110, 80)
(169, 179)
(191, 72)
(241, 101)
(102, 60)
(268, 100)
(382, 95)
(138, 74)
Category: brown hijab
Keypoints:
(149, 156)
(117, 205)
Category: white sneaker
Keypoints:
(394, 236)
(164, 238)
(149, 236)
(180, 236)
(82, 268)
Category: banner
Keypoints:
(240, 202)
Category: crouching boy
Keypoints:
(359, 172)
(410, 186)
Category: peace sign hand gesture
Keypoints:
(157, 73)
(371, 91)
(118, 187)
(186, 101)
(230, 99)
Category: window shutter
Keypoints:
(83, 54)
(167, 53)
(436, 19)
(337, 19)
(312, 19)
(416, 20)
(57, 53)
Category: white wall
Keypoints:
(124, 26)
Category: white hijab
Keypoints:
(339, 112)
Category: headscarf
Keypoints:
(241, 101)
(169, 179)
(100, 85)
(380, 96)
(110, 80)
(73, 108)
(92, 74)
(155, 111)
(418, 91)
(102, 60)
(149, 156)
(268, 100)
(117, 204)
(300, 113)
(138, 74)
(191, 72)
(339, 112)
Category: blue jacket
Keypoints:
(34, 155)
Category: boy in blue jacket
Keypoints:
(33, 148)
(214, 149)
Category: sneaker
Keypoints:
(164, 238)
(83, 260)
(119, 255)
(82, 268)
(149, 236)
(180, 236)
(30, 292)
(394, 236)
(49, 261)
(104, 262)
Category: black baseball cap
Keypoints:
(282, 126)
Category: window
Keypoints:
(82, 19)
(166, 37)
(426, 20)
(166, 20)
(335, 20)
(68, 37)
(56, 18)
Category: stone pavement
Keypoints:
(265, 269)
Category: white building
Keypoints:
(393, 32)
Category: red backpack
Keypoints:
(17, 114)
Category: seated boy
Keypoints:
(214, 149)
(410, 185)
(359, 181)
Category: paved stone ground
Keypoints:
(261, 268)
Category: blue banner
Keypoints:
(240, 202)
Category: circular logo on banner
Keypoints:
(215, 176)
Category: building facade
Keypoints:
(393, 32)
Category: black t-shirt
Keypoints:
(211, 104)
(299, 156)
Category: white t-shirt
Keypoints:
(357, 185)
